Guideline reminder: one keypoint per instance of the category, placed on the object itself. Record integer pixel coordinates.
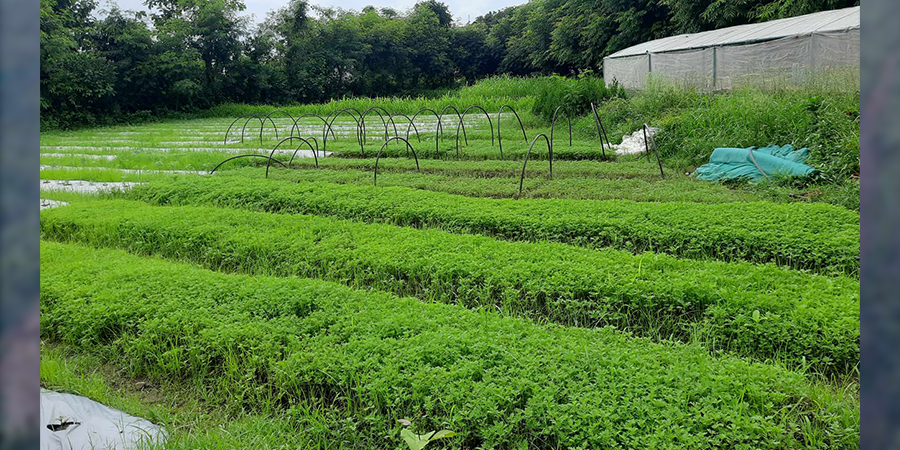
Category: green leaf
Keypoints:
(419, 441)
(414, 441)
(442, 434)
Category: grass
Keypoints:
(260, 344)
(632, 179)
(693, 125)
(142, 160)
(193, 414)
(823, 116)
(675, 188)
(74, 197)
(821, 238)
(756, 311)
(743, 355)
(99, 174)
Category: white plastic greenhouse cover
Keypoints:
(717, 59)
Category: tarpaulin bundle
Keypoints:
(755, 164)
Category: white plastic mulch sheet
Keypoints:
(85, 186)
(47, 204)
(633, 144)
(72, 422)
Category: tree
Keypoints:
(191, 54)
(211, 27)
(472, 56)
(428, 40)
(76, 83)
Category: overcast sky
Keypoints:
(462, 10)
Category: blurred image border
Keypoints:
(19, 235)
(880, 222)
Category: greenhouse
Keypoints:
(784, 50)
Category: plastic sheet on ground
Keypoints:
(633, 144)
(746, 163)
(47, 204)
(72, 422)
(86, 186)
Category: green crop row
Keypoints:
(819, 237)
(623, 169)
(500, 382)
(675, 189)
(761, 311)
(514, 148)
(576, 188)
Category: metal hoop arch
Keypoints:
(499, 135)
(485, 115)
(359, 129)
(290, 138)
(362, 123)
(553, 123)
(310, 147)
(549, 150)
(648, 138)
(386, 113)
(408, 147)
(250, 115)
(261, 126)
(325, 128)
(601, 132)
(268, 116)
(410, 123)
(251, 155)
(458, 116)
(436, 131)
(315, 141)
(225, 141)
(332, 116)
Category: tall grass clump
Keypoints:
(576, 94)
(490, 93)
(505, 86)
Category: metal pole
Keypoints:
(655, 148)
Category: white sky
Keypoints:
(463, 10)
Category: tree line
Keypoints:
(188, 55)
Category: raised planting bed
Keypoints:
(765, 312)
(258, 343)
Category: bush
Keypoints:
(258, 342)
(759, 311)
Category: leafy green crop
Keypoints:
(808, 236)
(805, 319)
(500, 382)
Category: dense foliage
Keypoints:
(763, 311)
(193, 54)
(820, 237)
(266, 344)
